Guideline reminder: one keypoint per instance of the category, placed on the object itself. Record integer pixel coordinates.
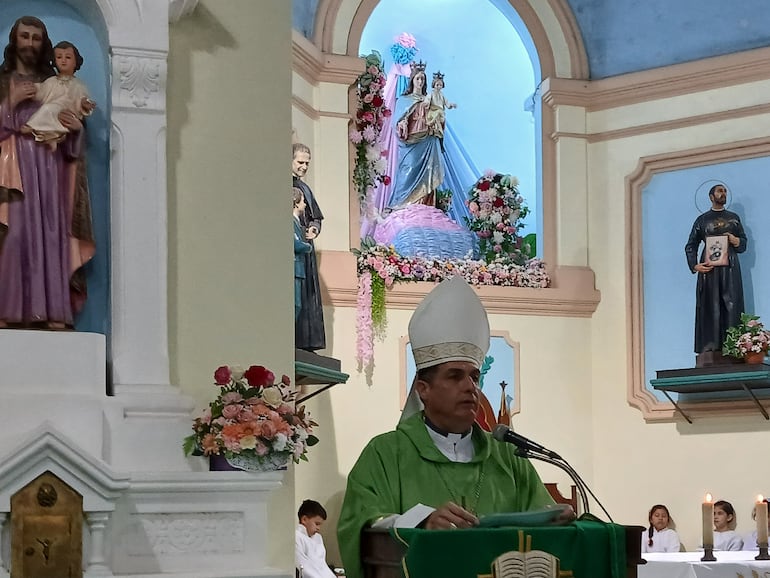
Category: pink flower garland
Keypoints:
(364, 330)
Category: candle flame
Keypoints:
(760, 498)
(709, 498)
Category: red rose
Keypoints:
(385, 112)
(483, 186)
(258, 375)
(498, 202)
(285, 379)
(377, 101)
(222, 375)
(385, 180)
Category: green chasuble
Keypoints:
(400, 469)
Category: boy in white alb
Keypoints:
(59, 93)
(309, 550)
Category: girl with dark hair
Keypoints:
(725, 536)
(660, 536)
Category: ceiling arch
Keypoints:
(554, 32)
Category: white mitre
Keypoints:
(450, 324)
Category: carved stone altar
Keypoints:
(147, 510)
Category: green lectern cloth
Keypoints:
(589, 549)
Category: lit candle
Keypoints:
(761, 521)
(708, 522)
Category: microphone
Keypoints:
(526, 448)
(503, 433)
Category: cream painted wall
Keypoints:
(230, 256)
(638, 464)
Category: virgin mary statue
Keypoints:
(420, 164)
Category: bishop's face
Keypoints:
(451, 397)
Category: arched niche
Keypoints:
(133, 36)
(557, 41)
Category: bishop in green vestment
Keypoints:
(438, 470)
(400, 469)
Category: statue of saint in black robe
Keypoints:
(309, 327)
(719, 293)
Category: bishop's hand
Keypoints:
(450, 516)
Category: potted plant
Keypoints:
(749, 339)
(252, 424)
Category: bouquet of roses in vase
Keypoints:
(497, 210)
(252, 422)
(749, 339)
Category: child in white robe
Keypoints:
(725, 536)
(59, 93)
(309, 550)
(661, 536)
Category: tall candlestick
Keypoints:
(761, 521)
(707, 510)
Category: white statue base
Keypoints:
(149, 511)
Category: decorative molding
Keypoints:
(573, 37)
(638, 395)
(304, 107)
(664, 82)
(662, 126)
(326, 24)
(139, 79)
(307, 109)
(316, 66)
(178, 9)
(573, 293)
(183, 533)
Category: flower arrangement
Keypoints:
(404, 48)
(749, 336)
(370, 164)
(253, 419)
(380, 266)
(497, 210)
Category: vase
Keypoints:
(755, 358)
(220, 464)
(239, 462)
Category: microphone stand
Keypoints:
(562, 464)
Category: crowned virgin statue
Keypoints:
(420, 133)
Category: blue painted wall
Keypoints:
(630, 35)
(303, 16)
(489, 75)
(87, 32)
(668, 211)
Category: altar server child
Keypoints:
(725, 536)
(309, 550)
(750, 541)
(660, 536)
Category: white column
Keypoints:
(138, 203)
(97, 562)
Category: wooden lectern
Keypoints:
(382, 555)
